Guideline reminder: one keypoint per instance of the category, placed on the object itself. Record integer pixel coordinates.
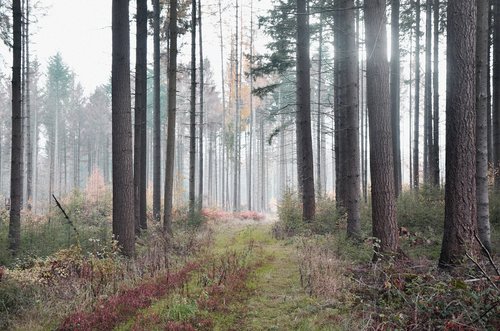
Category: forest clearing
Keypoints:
(249, 165)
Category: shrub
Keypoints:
(13, 298)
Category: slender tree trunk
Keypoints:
(172, 103)
(416, 131)
(381, 160)
(395, 92)
(156, 114)
(140, 144)
(482, 48)
(29, 140)
(202, 123)
(236, 180)
(428, 96)
(305, 164)
(123, 194)
(16, 178)
(319, 115)
(252, 117)
(496, 94)
(435, 84)
(192, 112)
(460, 195)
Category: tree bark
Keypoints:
(192, 112)
(460, 194)
(482, 48)
(435, 84)
(123, 194)
(156, 113)
(305, 167)
(416, 131)
(428, 139)
(496, 93)
(381, 160)
(16, 177)
(202, 123)
(140, 144)
(172, 104)
(395, 92)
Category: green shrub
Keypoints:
(13, 298)
(422, 210)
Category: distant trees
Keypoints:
(123, 197)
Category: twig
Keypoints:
(66, 215)
(487, 254)
(482, 271)
(486, 312)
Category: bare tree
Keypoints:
(156, 113)
(395, 92)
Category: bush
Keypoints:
(328, 217)
(13, 298)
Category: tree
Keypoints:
(172, 101)
(428, 142)
(416, 134)
(305, 168)
(435, 85)
(156, 113)
(202, 124)
(460, 191)
(496, 93)
(395, 92)
(482, 49)
(346, 59)
(192, 112)
(123, 194)
(381, 160)
(16, 177)
(140, 144)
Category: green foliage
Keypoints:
(421, 210)
(14, 297)
(328, 218)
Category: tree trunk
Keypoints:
(496, 93)
(237, 126)
(123, 194)
(482, 47)
(319, 175)
(305, 166)
(435, 83)
(416, 131)
(156, 114)
(192, 112)
(428, 96)
(460, 194)
(381, 160)
(347, 90)
(202, 124)
(172, 102)
(395, 92)
(140, 143)
(16, 177)
(29, 140)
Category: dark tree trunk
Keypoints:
(156, 114)
(192, 112)
(16, 171)
(29, 140)
(395, 91)
(172, 102)
(496, 93)
(381, 160)
(140, 144)
(482, 47)
(435, 84)
(416, 131)
(123, 194)
(237, 123)
(428, 143)
(460, 195)
(305, 165)
(202, 124)
(347, 89)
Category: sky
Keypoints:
(81, 31)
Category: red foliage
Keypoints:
(250, 215)
(179, 326)
(122, 306)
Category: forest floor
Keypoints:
(248, 281)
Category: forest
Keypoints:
(253, 165)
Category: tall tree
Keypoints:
(16, 177)
(482, 48)
(237, 119)
(496, 93)
(305, 167)
(156, 113)
(141, 70)
(416, 131)
(29, 139)
(123, 172)
(202, 123)
(192, 112)
(395, 92)
(435, 85)
(460, 192)
(381, 159)
(347, 95)
(428, 143)
(172, 103)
